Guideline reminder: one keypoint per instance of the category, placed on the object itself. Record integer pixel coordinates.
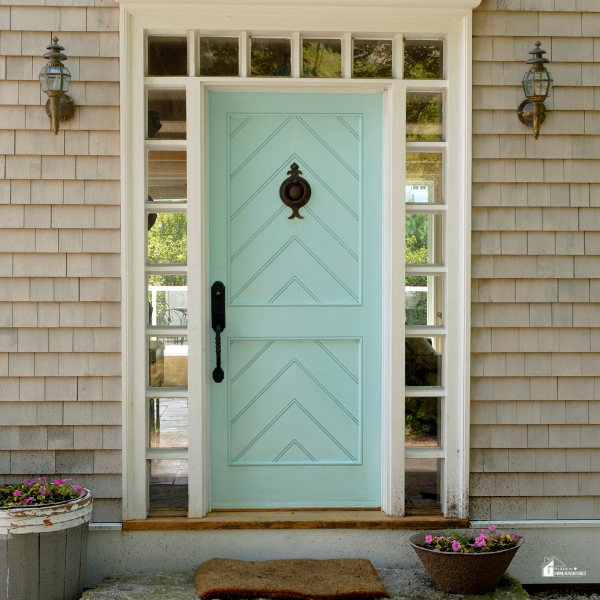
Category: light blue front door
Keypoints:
(297, 420)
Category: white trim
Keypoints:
(223, 6)
(454, 333)
(535, 524)
(106, 526)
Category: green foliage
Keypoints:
(423, 59)
(271, 59)
(424, 109)
(167, 239)
(32, 493)
(372, 58)
(322, 59)
(421, 417)
(219, 57)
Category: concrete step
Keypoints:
(403, 584)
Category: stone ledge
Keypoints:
(403, 584)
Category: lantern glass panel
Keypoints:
(66, 80)
(43, 81)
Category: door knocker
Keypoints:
(295, 191)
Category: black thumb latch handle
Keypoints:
(218, 324)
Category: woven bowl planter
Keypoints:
(43, 550)
(460, 573)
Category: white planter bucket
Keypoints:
(43, 550)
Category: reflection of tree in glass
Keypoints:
(425, 167)
(423, 59)
(219, 57)
(271, 58)
(416, 252)
(167, 239)
(372, 58)
(421, 417)
(424, 109)
(322, 59)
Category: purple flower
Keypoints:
(456, 546)
(428, 539)
(18, 493)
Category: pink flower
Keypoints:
(456, 546)
(440, 538)
(428, 539)
(480, 542)
(492, 528)
(516, 535)
(27, 500)
(67, 480)
(41, 479)
(18, 493)
(58, 481)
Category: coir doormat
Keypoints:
(298, 579)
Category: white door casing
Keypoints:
(454, 25)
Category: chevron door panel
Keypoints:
(280, 261)
(297, 420)
(300, 394)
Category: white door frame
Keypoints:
(456, 28)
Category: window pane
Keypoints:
(167, 239)
(422, 422)
(166, 114)
(423, 482)
(168, 419)
(167, 176)
(219, 57)
(168, 484)
(167, 300)
(424, 241)
(423, 300)
(168, 358)
(271, 57)
(423, 361)
(423, 59)
(167, 56)
(322, 58)
(424, 121)
(372, 58)
(424, 177)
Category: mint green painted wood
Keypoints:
(297, 421)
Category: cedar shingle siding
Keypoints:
(535, 398)
(60, 361)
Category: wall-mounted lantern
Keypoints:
(536, 83)
(55, 80)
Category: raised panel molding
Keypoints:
(298, 404)
(275, 260)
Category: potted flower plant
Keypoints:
(43, 539)
(466, 561)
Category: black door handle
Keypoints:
(217, 306)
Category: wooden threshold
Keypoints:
(294, 519)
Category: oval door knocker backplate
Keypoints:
(295, 191)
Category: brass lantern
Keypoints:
(536, 83)
(55, 80)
